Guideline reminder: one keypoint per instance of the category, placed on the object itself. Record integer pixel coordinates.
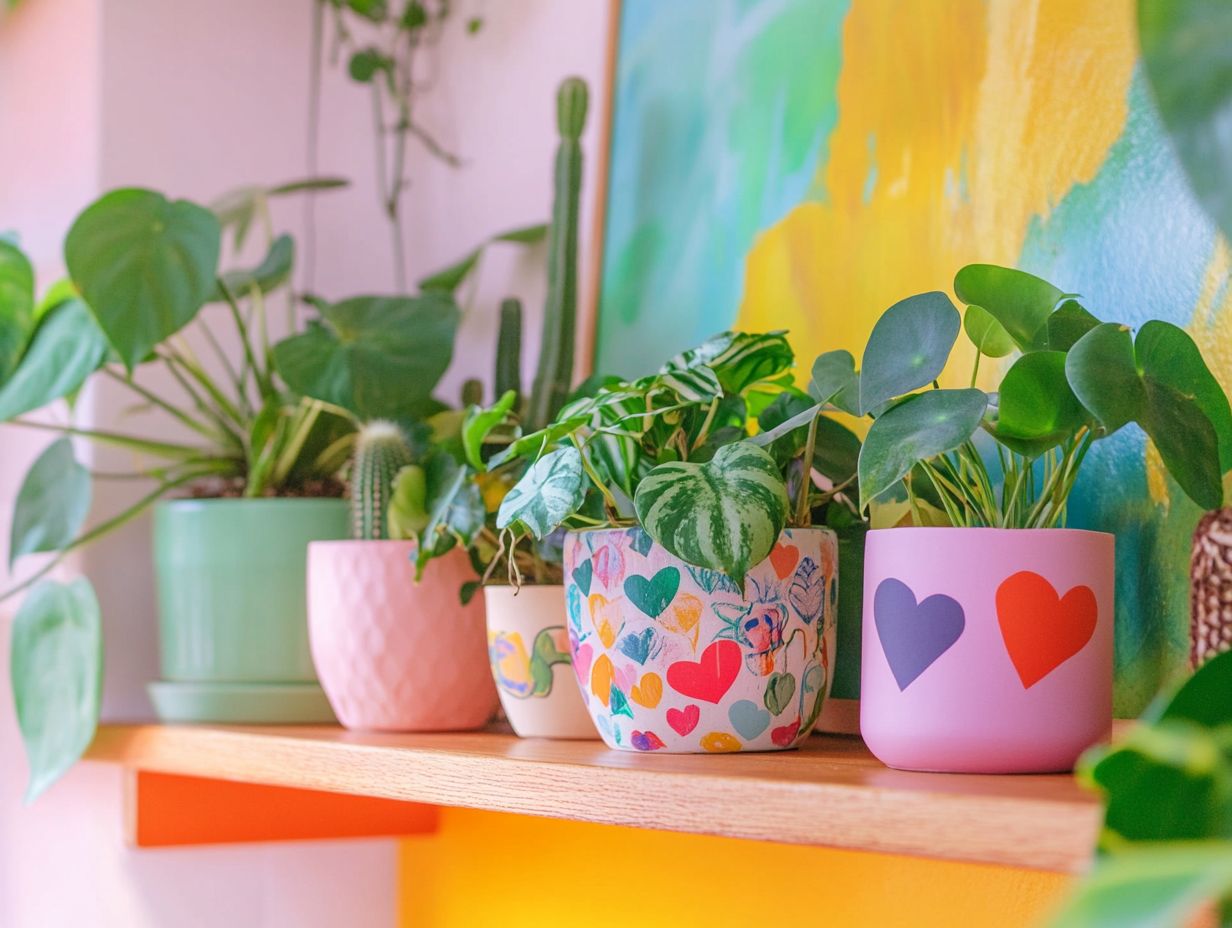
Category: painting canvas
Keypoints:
(803, 164)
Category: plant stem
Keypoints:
(117, 439)
(806, 475)
(218, 436)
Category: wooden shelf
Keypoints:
(832, 792)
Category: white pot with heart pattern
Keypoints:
(672, 658)
(986, 650)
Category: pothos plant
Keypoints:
(1073, 381)
(672, 452)
(145, 291)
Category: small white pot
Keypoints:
(528, 648)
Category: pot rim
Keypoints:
(599, 529)
(219, 502)
(388, 543)
(986, 529)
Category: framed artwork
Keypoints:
(804, 164)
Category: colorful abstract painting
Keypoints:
(803, 164)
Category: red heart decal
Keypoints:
(710, 677)
(784, 559)
(786, 734)
(1042, 630)
(684, 720)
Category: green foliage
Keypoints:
(1166, 844)
(455, 509)
(555, 370)
(381, 451)
(56, 666)
(725, 514)
(16, 306)
(144, 265)
(1188, 62)
(377, 357)
(1074, 381)
(448, 279)
(551, 491)
(66, 348)
(52, 503)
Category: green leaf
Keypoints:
(1067, 324)
(738, 359)
(908, 348)
(479, 424)
(835, 381)
(536, 443)
(525, 235)
(374, 10)
(56, 666)
(379, 357)
(918, 429)
(837, 450)
(780, 688)
(1186, 441)
(986, 333)
(270, 274)
(1021, 302)
(1037, 410)
(1167, 355)
(1152, 886)
(1204, 698)
(1104, 375)
(455, 509)
(52, 503)
(366, 63)
(725, 514)
(553, 489)
(408, 503)
(145, 266)
(67, 347)
(1188, 62)
(307, 185)
(16, 306)
(448, 279)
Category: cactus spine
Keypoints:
(509, 350)
(555, 372)
(381, 450)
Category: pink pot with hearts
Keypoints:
(671, 658)
(986, 650)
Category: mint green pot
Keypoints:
(231, 587)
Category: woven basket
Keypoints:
(1210, 594)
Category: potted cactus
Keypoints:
(394, 653)
(700, 599)
(988, 642)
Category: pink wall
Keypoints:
(195, 98)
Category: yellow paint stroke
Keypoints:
(958, 123)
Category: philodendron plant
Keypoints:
(1074, 380)
(145, 291)
(672, 452)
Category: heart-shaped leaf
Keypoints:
(1021, 302)
(780, 688)
(56, 665)
(1067, 324)
(920, 428)
(724, 515)
(835, 381)
(480, 422)
(986, 333)
(16, 306)
(551, 491)
(52, 503)
(738, 359)
(144, 264)
(67, 347)
(1187, 59)
(1104, 375)
(379, 357)
(1037, 409)
(271, 273)
(908, 348)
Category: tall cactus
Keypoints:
(509, 350)
(555, 371)
(381, 450)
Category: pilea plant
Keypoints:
(672, 452)
(1075, 380)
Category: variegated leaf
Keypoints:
(738, 359)
(724, 515)
(551, 491)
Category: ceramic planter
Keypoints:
(528, 648)
(233, 636)
(986, 650)
(392, 654)
(672, 658)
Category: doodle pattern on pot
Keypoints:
(671, 657)
(522, 674)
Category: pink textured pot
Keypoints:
(391, 654)
(986, 650)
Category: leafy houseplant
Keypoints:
(394, 654)
(997, 464)
(670, 506)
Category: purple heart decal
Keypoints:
(913, 635)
